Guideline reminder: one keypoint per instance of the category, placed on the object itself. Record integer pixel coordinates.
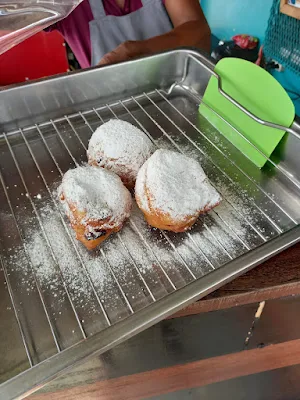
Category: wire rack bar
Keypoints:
(202, 252)
(218, 241)
(136, 267)
(178, 254)
(10, 292)
(64, 143)
(136, 229)
(74, 130)
(117, 282)
(232, 230)
(45, 235)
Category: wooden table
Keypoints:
(242, 341)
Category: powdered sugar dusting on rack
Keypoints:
(147, 257)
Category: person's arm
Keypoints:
(190, 29)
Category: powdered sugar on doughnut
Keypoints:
(121, 147)
(99, 193)
(177, 185)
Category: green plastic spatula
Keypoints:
(257, 91)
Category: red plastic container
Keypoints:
(41, 55)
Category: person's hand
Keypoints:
(123, 52)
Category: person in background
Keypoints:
(108, 31)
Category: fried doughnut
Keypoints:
(172, 190)
(120, 147)
(96, 203)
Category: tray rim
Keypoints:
(31, 380)
(205, 58)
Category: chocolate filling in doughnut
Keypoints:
(95, 234)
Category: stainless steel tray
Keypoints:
(59, 303)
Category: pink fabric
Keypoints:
(75, 27)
